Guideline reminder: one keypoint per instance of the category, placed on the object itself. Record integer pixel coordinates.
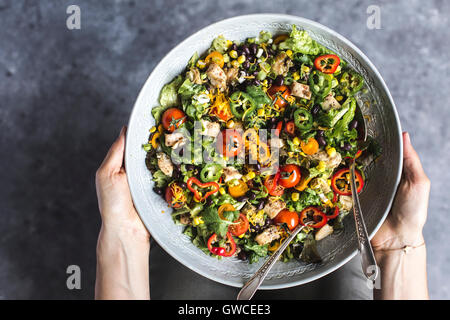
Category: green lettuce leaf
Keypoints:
(219, 44)
(300, 41)
(214, 222)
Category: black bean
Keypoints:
(279, 80)
(182, 184)
(209, 201)
(347, 146)
(242, 255)
(251, 195)
(269, 81)
(261, 205)
(268, 222)
(158, 190)
(353, 124)
(256, 82)
(242, 199)
(293, 69)
(320, 133)
(234, 47)
(253, 48)
(189, 167)
(315, 110)
(251, 58)
(321, 141)
(246, 64)
(245, 50)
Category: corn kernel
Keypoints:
(289, 53)
(296, 141)
(265, 83)
(295, 196)
(197, 221)
(339, 98)
(153, 129)
(321, 166)
(241, 59)
(201, 64)
(241, 236)
(261, 112)
(233, 54)
(261, 212)
(230, 124)
(329, 182)
(229, 43)
(295, 76)
(291, 154)
(331, 152)
(235, 63)
(222, 191)
(251, 175)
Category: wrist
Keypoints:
(113, 238)
(399, 242)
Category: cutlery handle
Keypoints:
(249, 289)
(368, 262)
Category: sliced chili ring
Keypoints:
(221, 251)
(341, 182)
(327, 63)
(334, 214)
(313, 214)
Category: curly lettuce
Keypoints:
(300, 41)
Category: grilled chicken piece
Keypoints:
(175, 140)
(346, 202)
(268, 235)
(164, 163)
(273, 207)
(232, 74)
(324, 232)
(217, 76)
(194, 76)
(330, 162)
(231, 173)
(330, 103)
(282, 64)
(210, 129)
(300, 90)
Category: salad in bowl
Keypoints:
(254, 138)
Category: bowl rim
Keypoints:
(274, 16)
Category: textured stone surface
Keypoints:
(65, 94)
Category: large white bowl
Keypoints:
(337, 249)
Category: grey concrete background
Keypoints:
(65, 94)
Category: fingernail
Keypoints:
(121, 131)
(407, 137)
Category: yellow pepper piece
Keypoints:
(154, 138)
(296, 141)
(201, 64)
(295, 196)
(197, 221)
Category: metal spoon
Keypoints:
(368, 262)
(249, 289)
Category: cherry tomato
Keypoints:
(215, 57)
(272, 186)
(230, 144)
(311, 147)
(238, 190)
(240, 227)
(173, 118)
(278, 128)
(290, 175)
(290, 128)
(169, 199)
(275, 91)
(288, 217)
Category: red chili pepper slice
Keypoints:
(327, 63)
(341, 182)
(315, 214)
(278, 128)
(194, 180)
(334, 214)
(220, 251)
